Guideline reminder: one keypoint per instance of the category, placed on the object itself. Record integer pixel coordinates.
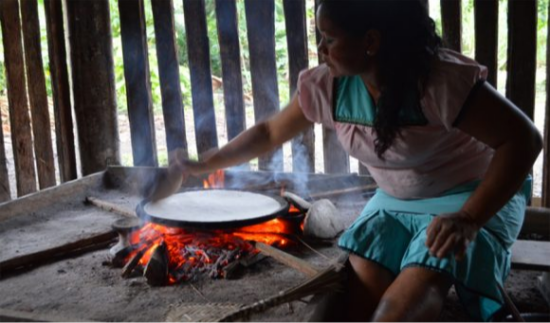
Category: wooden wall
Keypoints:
(92, 86)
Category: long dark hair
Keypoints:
(408, 44)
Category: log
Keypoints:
(260, 22)
(230, 52)
(96, 242)
(156, 271)
(288, 259)
(138, 85)
(303, 145)
(486, 36)
(201, 76)
(451, 17)
(93, 84)
(110, 207)
(170, 88)
(522, 54)
(38, 98)
(132, 264)
(61, 91)
(17, 97)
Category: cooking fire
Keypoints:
(168, 255)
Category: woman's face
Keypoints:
(344, 54)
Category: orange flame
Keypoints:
(215, 180)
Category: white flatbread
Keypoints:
(213, 206)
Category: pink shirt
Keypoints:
(427, 160)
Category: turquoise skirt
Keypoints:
(392, 233)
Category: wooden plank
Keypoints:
(531, 255)
(17, 97)
(335, 158)
(59, 74)
(201, 78)
(260, 23)
(451, 20)
(546, 150)
(230, 52)
(170, 88)
(451, 16)
(486, 36)
(67, 192)
(38, 98)
(138, 87)
(522, 54)
(93, 83)
(5, 194)
(303, 145)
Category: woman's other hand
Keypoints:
(451, 232)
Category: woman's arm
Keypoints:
(497, 122)
(259, 139)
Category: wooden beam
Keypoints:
(451, 20)
(230, 52)
(201, 78)
(335, 158)
(93, 84)
(170, 87)
(17, 97)
(287, 259)
(486, 36)
(138, 85)
(38, 98)
(70, 191)
(260, 22)
(61, 90)
(522, 54)
(303, 145)
(546, 150)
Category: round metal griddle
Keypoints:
(213, 209)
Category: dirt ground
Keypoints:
(87, 288)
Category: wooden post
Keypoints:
(451, 18)
(546, 150)
(17, 97)
(335, 158)
(201, 78)
(138, 87)
(93, 83)
(228, 36)
(61, 90)
(167, 55)
(486, 33)
(38, 98)
(303, 146)
(260, 22)
(522, 54)
(5, 194)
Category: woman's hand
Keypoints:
(168, 181)
(451, 232)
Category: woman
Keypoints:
(449, 153)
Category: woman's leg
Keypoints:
(417, 294)
(367, 282)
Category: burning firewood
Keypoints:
(132, 264)
(156, 271)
